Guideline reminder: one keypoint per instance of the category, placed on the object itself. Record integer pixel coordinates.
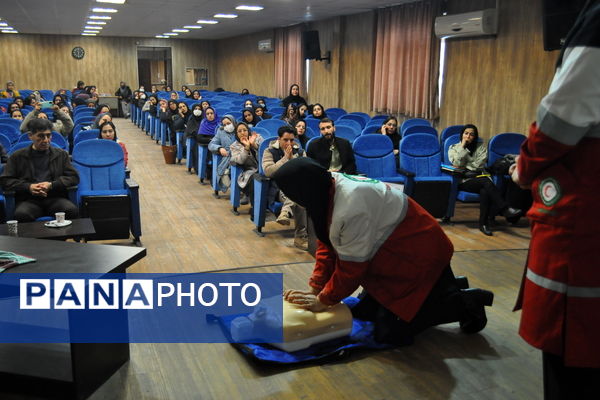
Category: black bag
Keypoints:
(501, 165)
(110, 216)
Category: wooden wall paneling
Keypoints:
(497, 83)
(241, 65)
(324, 85)
(356, 62)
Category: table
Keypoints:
(112, 102)
(81, 227)
(72, 370)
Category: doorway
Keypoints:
(155, 67)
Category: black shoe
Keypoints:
(486, 230)
(462, 282)
(475, 301)
(511, 213)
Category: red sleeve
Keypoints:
(538, 152)
(324, 266)
(125, 154)
(346, 278)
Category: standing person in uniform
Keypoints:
(560, 293)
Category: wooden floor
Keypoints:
(185, 229)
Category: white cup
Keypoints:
(13, 227)
(60, 217)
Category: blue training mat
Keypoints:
(361, 337)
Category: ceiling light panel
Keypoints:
(111, 1)
(99, 17)
(249, 8)
(193, 27)
(207, 21)
(96, 23)
(104, 10)
(181, 30)
(229, 16)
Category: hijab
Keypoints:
(305, 182)
(209, 127)
(97, 120)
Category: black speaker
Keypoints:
(311, 45)
(558, 18)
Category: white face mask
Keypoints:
(228, 128)
(197, 112)
(143, 97)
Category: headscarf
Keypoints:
(209, 127)
(305, 182)
(115, 139)
(97, 120)
(255, 119)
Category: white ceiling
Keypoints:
(147, 18)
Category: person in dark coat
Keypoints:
(333, 153)
(294, 96)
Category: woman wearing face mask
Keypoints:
(248, 104)
(108, 131)
(191, 132)
(220, 144)
(244, 154)
(294, 96)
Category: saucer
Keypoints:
(54, 224)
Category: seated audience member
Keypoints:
(390, 129)
(63, 123)
(333, 153)
(188, 93)
(196, 95)
(205, 104)
(101, 109)
(141, 100)
(400, 257)
(184, 88)
(293, 97)
(20, 101)
(261, 102)
(153, 89)
(66, 109)
(244, 153)
(108, 131)
(301, 132)
(248, 104)
(245, 92)
(290, 115)
(90, 102)
(16, 114)
(191, 131)
(277, 154)
(318, 111)
(174, 96)
(59, 99)
(40, 175)
(78, 89)
(249, 117)
(259, 111)
(13, 106)
(168, 89)
(123, 93)
(220, 143)
(302, 109)
(10, 91)
(471, 155)
(179, 120)
(100, 119)
(167, 115)
(150, 105)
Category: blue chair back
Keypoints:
(310, 133)
(420, 129)
(313, 123)
(378, 119)
(5, 142)
(10, 121)
(411, 122)
(271, 125)
(276, 111)
(349, 123)
(10, 131)
(84, 119)
(450, 131)
(451, 140)
(359, 119)
(81, 111)
(85, 135)
(365, 117)
(100, 164)
(261, 131)
(420, 154)
(504, 143)
(347, 133)
(335, 113)
(309, 142)
(46, 94)
(374, 155)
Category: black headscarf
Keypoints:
(307, 184)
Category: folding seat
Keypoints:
(354, 117)
(450, 131)
(104, 193)
(347, 133)
(349, 123)
(420, 129)
(411, 122)
(334, 113)
(272, 125)
(88, 134)
(374, 156)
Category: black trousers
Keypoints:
(566, 383)
(33, 208)
(491, 201)
(443, 305)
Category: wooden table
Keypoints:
(72, 370)
(81, 227)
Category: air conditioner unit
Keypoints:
(265, 46)
(476, 23)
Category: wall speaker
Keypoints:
(558, 18)
(311, 45)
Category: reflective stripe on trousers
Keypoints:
(560, 287)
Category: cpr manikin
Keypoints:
(301, 328)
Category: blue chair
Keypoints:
(501, 145)
(313, 123)
(374, 156)
(277, 111)
(85, 135)
(335, 113)
(272, 125)
(433, 190)
(101, 170)
(411, 122)
(46, 94)
(309, 142)
(261, 191)
(57, 139)
(359, 119)
(420, 129)
(347, 133)
(261, 131)
(179, 143)
(349, 123)
(84, 119)
(234, 190)
(310, 133)
(5, 142)
(203, 162)
(10, 121)
(450, 131)
(10, 131)
(377, 119)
